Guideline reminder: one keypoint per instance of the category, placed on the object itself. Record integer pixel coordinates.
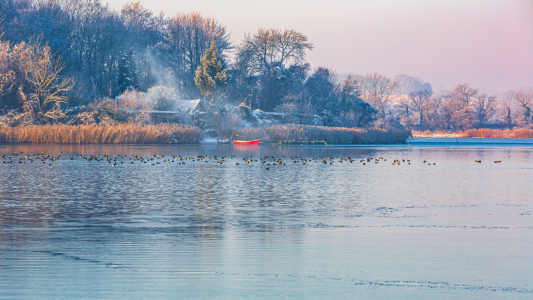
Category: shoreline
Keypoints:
(283, 134)
(438, 135)
(135, 134)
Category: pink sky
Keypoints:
(487, 43)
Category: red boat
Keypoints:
(246, 143)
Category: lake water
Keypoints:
(439, 226)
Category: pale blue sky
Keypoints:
(487, 43)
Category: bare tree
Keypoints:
(188, 37)
(447, 106)
(421, 104)
(47, 89)
(272, 60)
(350, 91)
(485, 107)
(525, 100)
(404, 110)
(272, 48)
(464, 118)
(378, 90)
(507, 106)
(464, 93)
(13, 61)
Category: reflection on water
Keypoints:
(208, 230)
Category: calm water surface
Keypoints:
(455, 229)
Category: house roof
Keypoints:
(187, 105)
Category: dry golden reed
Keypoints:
(96, 134)
(311, 134)
(515, 133)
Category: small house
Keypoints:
(193, 109)
(189, 106)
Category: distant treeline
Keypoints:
(60, 54)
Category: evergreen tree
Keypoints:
(210, 74)
(128, 78)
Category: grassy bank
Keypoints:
(515, 133)
(96, 134)
(329, 135)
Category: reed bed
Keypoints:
(97, 134)
(436, 133)
(315, 134)
(515, 133)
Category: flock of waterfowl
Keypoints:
(267, 161)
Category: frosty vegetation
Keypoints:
(78, 62)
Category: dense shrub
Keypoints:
(313, 134)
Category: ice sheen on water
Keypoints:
(78, 229)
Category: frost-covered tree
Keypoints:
(350, 91)
(360, 114)
(485, 107)
(136, 106)
(187, 37)
(263, 58)
(162, 97)
(321, 90)
(525, 100)
(91, 39)
(377, 90)
(352, 110)
(273, 48)
(47, 89)
(421, 102)
(507, 107)
(447, 105)
(13, 61)
(464, 93)
(464, 119)
(210, 75)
